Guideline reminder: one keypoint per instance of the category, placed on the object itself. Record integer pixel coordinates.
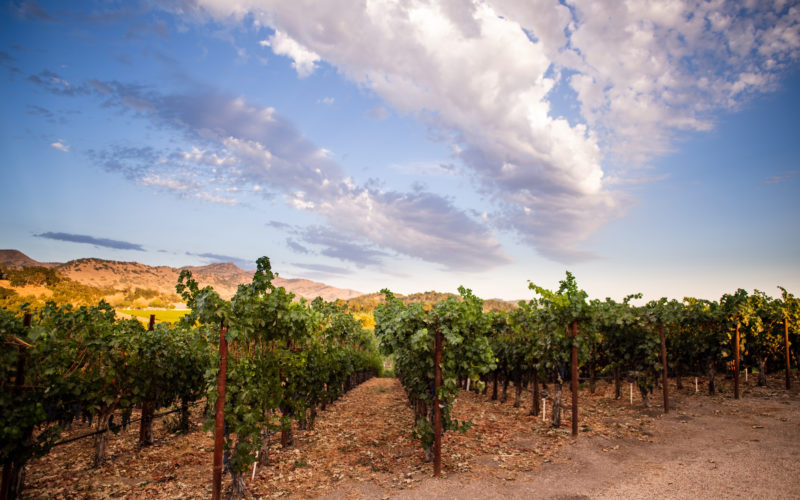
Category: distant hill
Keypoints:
(223, 277)
(15, 258)
(368, 302)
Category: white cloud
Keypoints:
(168, 183)
(60, 145)
(484, 74)
(650, 69)
(214, 198)
(303, 60)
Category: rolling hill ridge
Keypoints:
(223, 277)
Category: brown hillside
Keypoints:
(223, 277)
(15, 258)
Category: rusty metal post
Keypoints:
(573, 328)
(219, 428)
(664, 364)
(437, 410)
(736, 365)
(152, 325)
(786, 344)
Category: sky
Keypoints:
(417, 145)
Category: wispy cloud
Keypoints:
(379, 112)
(427, 168)
(39, 111)
(323, 268)
(185, 173)
(30, 10)
(55, 84)
(296, 247)
(91, 240)
(335, 244)
(218, 258)
(60, 145)
(782, 177)
(245, 147)
(278, 224)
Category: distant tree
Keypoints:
(33, 275)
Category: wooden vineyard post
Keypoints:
(736, 365)
(437, 410)
(152, 325)
(573, 328)
(786, 345)
(11, 483)
(664, 364)
(219, 427)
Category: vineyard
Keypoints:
(261, 368)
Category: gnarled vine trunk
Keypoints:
(312, 418)
(101, 439)
(535, 394)
(712, 383)
(518, 389)
(146, 424)
(183, 425)
(504, 397)
(263, 453)
(238, 486)
(420, 409)
(13, 479)
(286, 432)
(645, 393)
(762, 370)
(495, 375)
(555, 418)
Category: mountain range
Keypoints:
(223, 277)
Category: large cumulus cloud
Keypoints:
(485, 73)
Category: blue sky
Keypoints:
(412, 145)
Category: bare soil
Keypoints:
(362, 447)
(708, 447)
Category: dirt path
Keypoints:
(363, 447)
(707, 448)
(363, 440)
